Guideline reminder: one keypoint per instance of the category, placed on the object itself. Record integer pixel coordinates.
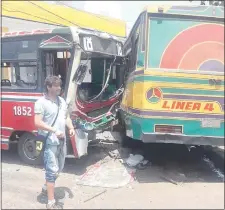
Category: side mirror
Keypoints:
(80, 74)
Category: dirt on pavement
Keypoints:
(194, 185)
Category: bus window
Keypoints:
(133, 54)
(14, 50)
(49, 64)
(19, 75)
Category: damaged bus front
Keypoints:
(89, 64)
(96, 82)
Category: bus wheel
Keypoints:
(27, 150)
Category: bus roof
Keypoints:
(58, 30)
(59, 15)
(199, 10)
(61, 30)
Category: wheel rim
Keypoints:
(29, 149)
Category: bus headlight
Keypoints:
(88, 126)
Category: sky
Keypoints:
(124, 10)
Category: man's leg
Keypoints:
(62, 156)
(51, 191)
(44, 187)
(51, 169)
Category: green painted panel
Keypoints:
(201, 11)
(193, 91)
(190, 127)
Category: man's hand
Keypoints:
(69, 125)
(59, 134)
(72, 132)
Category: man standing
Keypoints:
(49, 108)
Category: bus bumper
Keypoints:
(181, 139)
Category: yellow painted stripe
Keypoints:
(185, 94)
(139, 69)
(178, 85)
(160, 117)
(135, 97)
(5, 29)
(177, 74)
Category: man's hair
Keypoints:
(52, 80)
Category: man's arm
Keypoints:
(69, 124)
(42, 125)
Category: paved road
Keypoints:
(196, 186)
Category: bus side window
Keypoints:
(19, 64)
(133, 54)
(8, 75)
(19, 75)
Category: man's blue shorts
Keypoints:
(54, 160)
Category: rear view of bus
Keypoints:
(175, 84)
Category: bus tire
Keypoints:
(27, 148)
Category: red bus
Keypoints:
(90, 65)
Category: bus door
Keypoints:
(55, 62)
(58, 61)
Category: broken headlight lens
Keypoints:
(88, 126)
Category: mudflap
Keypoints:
(79, 143)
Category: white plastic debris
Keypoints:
(144, 162)
(143, 165)
(134, 160)
(213, 168)
(81, 142)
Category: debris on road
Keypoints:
(114, 154)
(137, 161)
(213, 168)
(81, 142)
(169, 180)
(134, 160)
(108, 174)
(143, 164)
(199, 179)
(95, 196)
(109, 136)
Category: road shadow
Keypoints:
(11, 157)
(61, 194)
(167, 162)
(72, 166)
(177, 164)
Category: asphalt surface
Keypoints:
(174, 178)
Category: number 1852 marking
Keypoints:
(22, 110)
